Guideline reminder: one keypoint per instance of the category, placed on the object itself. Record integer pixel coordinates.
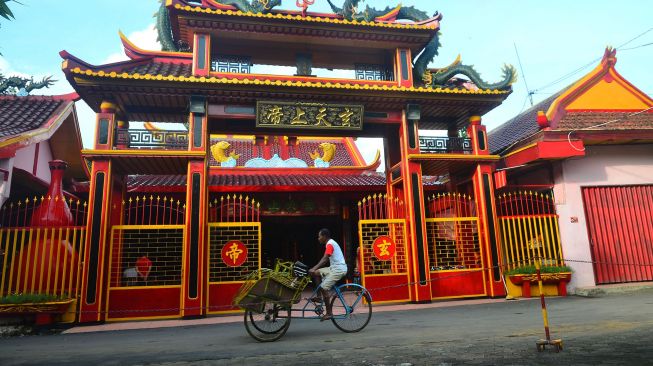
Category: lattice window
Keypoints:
(231, 63)
(146, 139)
(374, 72)
(219, 235)
(147, 256)
(445, 145)
(369, 232)
(453, 244)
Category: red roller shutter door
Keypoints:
(620, 228)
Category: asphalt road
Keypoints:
(608, 330)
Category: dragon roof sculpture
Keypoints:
(351, 10)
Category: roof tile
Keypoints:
(21, 114)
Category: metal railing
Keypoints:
(146, 139)
(445, 145)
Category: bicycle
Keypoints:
(268, 298)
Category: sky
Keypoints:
(558, 41)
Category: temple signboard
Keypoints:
(321, 116)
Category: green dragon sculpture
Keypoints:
(22, 86)
(440, 77)
(350, 11)
(254, 6)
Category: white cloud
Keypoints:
(368, 148)
(7, 70)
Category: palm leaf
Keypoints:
(5, 12)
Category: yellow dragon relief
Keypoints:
(219, 152)
(328, 152)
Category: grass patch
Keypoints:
(530, 270)
(30, 298)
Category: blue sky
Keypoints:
(554, 38)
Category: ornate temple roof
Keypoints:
(600, 102)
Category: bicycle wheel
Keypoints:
(353, 312)
(268, 322)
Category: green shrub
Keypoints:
(529, 270)
(29, 298)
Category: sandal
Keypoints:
(326, 317)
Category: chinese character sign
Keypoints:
(384, 248)
(234, 253)
(309, 115)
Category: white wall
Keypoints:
(602, 166)
(25, 160)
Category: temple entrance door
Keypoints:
(383, 248)
(455, 253)
(234, 248)
(146, 259)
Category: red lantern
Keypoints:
(143, 267)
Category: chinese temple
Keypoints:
(207, 165)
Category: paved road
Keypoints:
(607, 330)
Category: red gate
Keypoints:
(620, 228)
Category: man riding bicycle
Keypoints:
(328, 276)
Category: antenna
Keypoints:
(523, 75)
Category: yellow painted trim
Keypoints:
(460, 270)
(317, 85)
(521, 149)
(147, 227)
(40, 131)
(447, 219)
(233, 137)
(143, 287)
(124, 38)
(230, 224)
(459, 297)
(387, 274)
(109, 319)
(225, 282)
(208, 312)
(383, 221)
(469, 157)
(308, 19)
(388, 301)
(179, 153)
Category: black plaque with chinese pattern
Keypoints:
(321, 116)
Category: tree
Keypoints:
(5, 12)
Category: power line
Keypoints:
(636, 47)
(529, 94)
(572, 73)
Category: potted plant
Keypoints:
(42, 306)
(554, 280)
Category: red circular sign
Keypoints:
(234, 253)
(384, 248)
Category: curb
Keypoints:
(621, 288)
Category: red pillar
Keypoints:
(98, 223)
(194, 277)
(483, 182)
(403, 67)
(413, 195)
(201, 54)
